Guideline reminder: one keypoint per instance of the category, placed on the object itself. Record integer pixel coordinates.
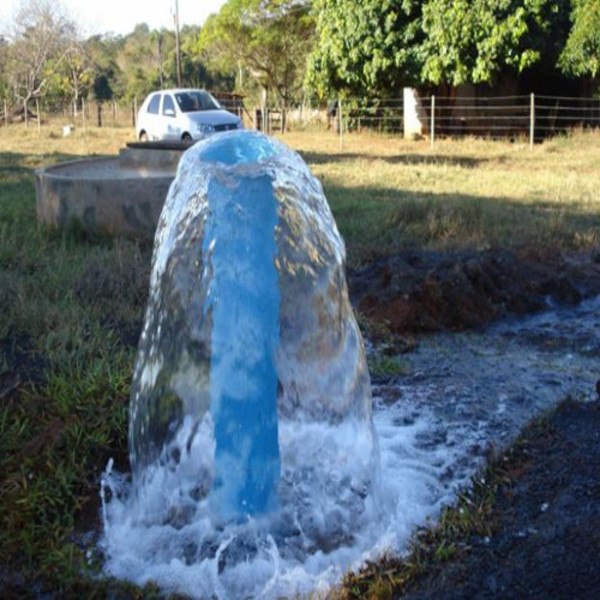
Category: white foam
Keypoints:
(288, 563)
(432, 433)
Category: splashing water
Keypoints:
(460, 394)
(251, 432)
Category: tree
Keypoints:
(73, 77)
(475, 40)
(581, 54)
(108, 79)
(137, 63)
(365, 47)
(270, 39)
(43, 36)
(195, 72)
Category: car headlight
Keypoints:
(205, 129)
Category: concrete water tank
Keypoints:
(121, 195)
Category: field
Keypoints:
(72, 306)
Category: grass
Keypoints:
(71, 311)
(72, 307)
(388, 194)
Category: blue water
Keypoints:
(244, 306)
(255, 457)
(239, 148)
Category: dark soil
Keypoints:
(546, 543)
(424, 291)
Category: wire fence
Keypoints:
(534, 117)
(77, 113)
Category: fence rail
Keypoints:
(108, 113)
(533, 117)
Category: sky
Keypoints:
(121, 16)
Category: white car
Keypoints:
(183, 114)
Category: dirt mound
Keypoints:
(420, 291)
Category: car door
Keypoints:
(152, 117)
(171, 129)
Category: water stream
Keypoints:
(460, 394)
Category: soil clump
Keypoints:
(425, 291)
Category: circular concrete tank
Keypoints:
(121, 195)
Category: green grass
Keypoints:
(71, 311)
(388, 194)
(72, 308)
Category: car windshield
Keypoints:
(195, 101)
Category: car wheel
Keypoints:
(186, 137)
(143, 136)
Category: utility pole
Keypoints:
(177, 44)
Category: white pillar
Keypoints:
(415, 118)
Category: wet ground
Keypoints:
(546, 538)
(464, 396)
(529, 337)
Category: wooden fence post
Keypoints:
(341, 122)
(531, 121)
(134, 112)
(5, 113)
(432, 132)
(83, 114)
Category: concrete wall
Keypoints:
(107, 196)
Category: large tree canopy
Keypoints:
(364, 47)
(378, 46)
(475, 40)
(270, 39)
(581, 55)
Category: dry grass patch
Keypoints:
(388, 193)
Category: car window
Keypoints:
(154, 104)
(168, 104)
(196, 100)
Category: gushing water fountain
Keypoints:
(254, 456)
(251, 402)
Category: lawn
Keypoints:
(72, 307)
